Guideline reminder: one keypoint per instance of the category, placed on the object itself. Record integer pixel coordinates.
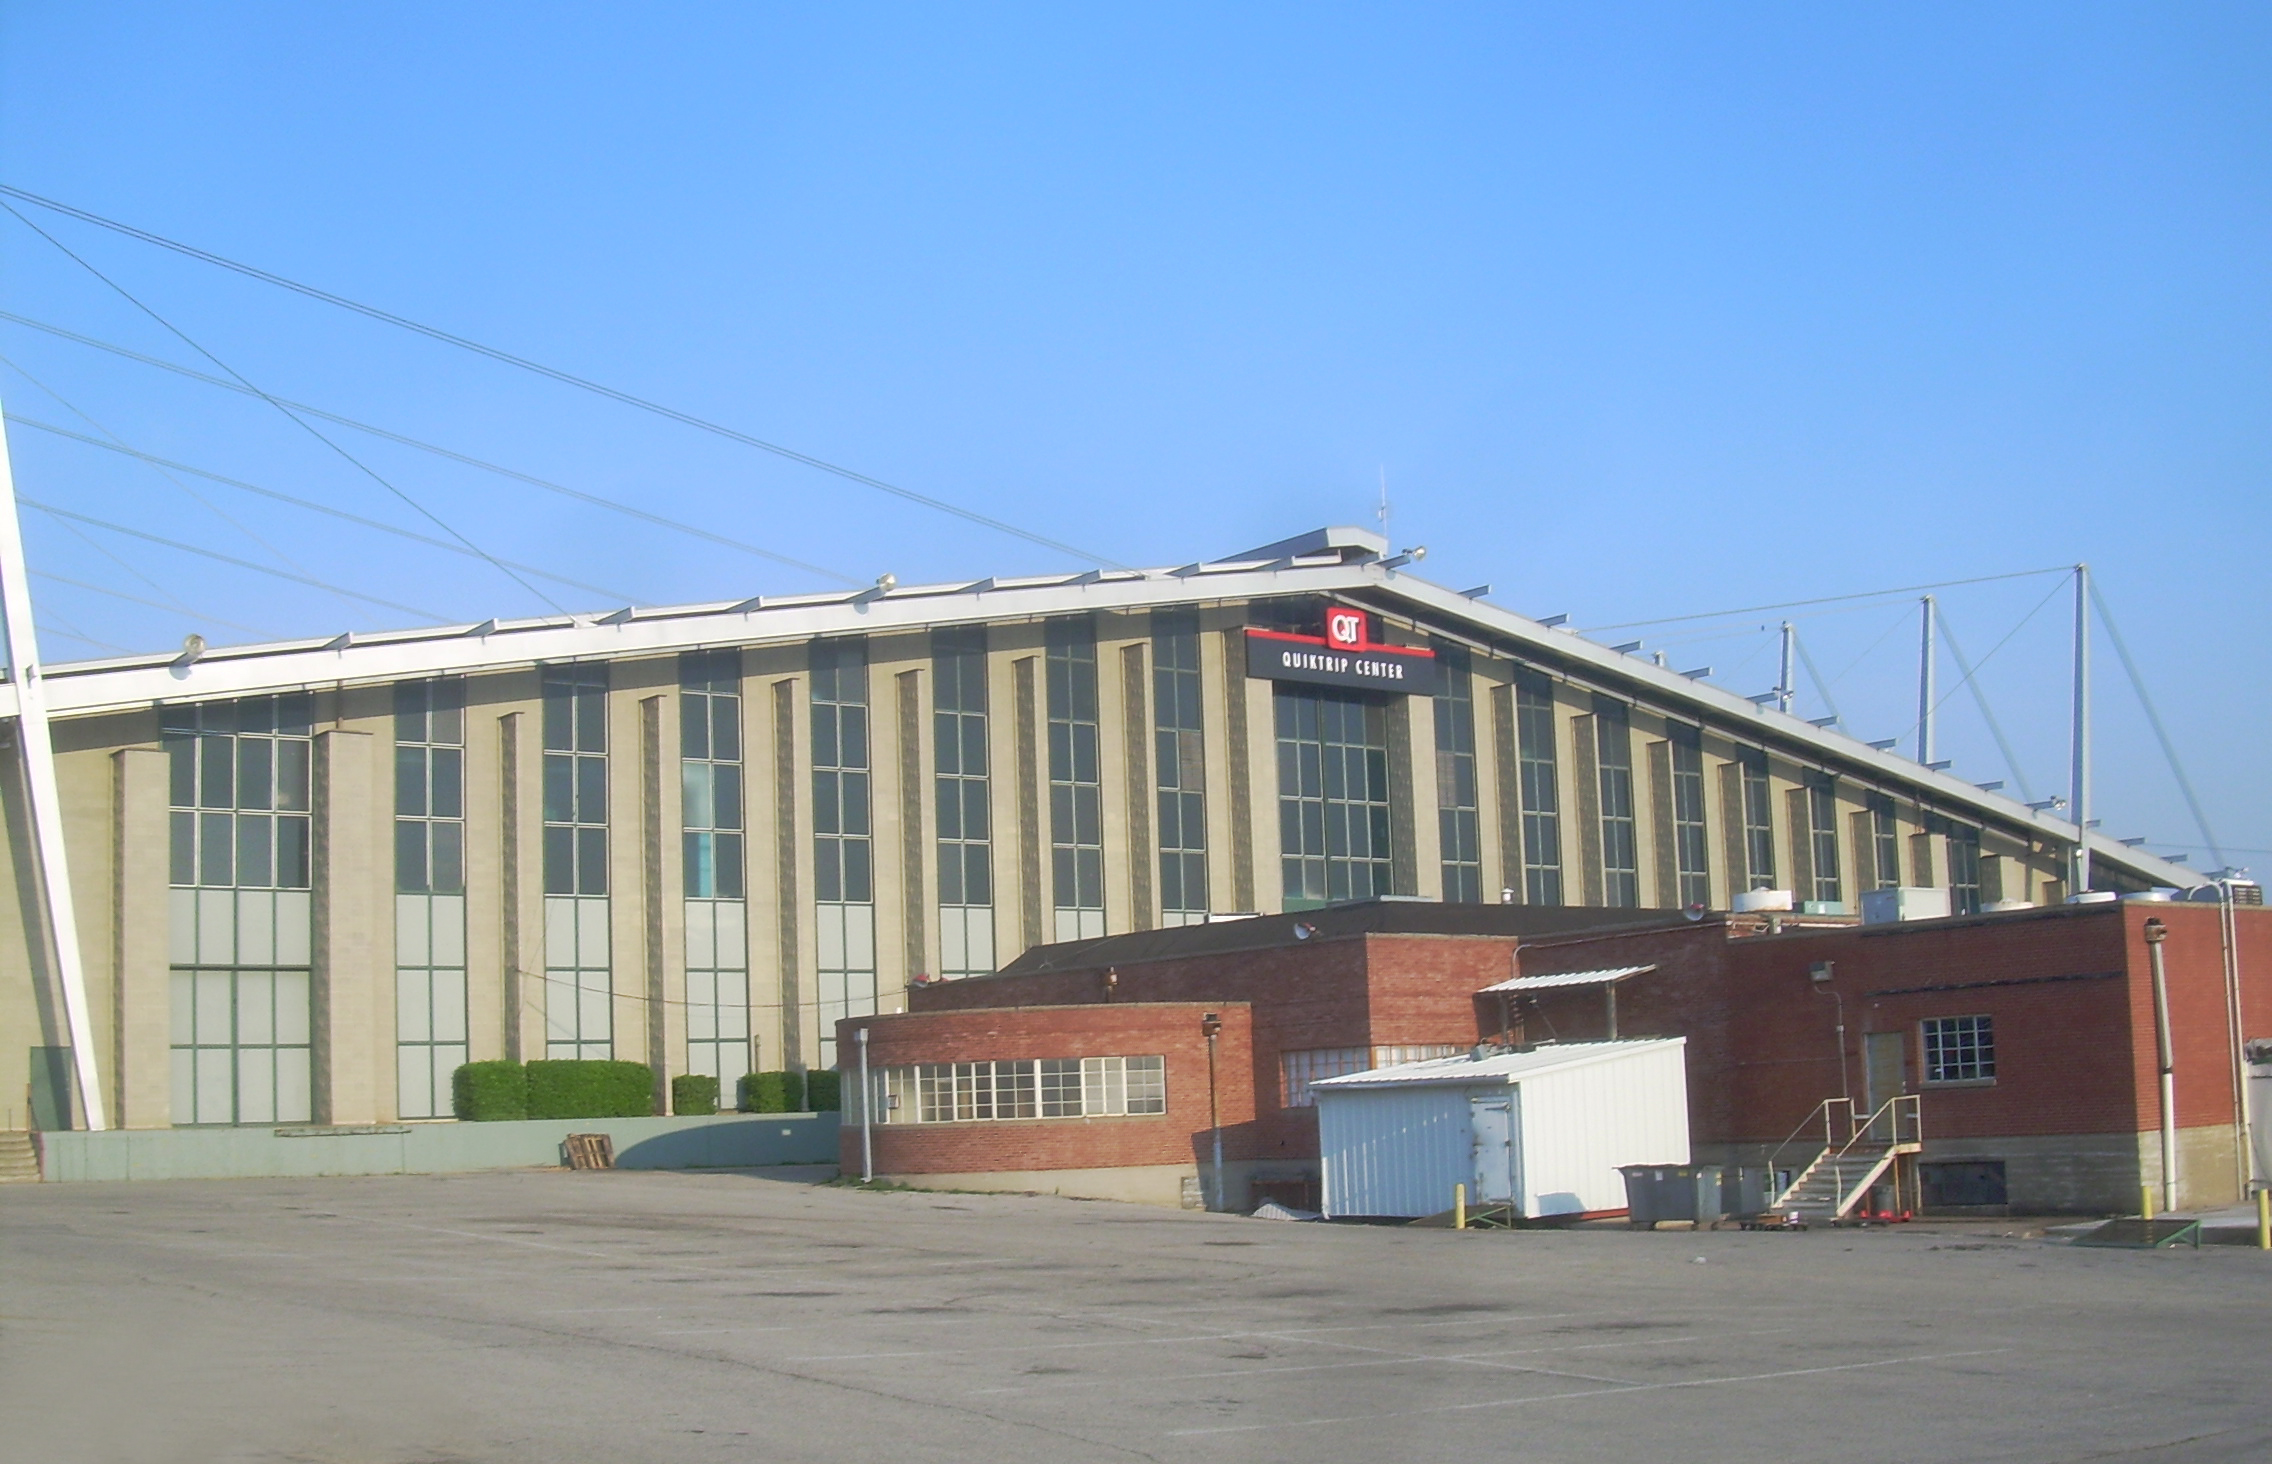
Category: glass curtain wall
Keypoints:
(429, 899)
(1620, 844)
(1180, 767)
(1076, 788)
(1333, 798)
(711, 836)
(239, 917)
(962, 795)
(579, 1006)
(1541, 804)
(1691, 850)
(843, 838)
(1459, 824)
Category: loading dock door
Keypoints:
(1491, 1130)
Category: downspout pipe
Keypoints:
(2156, 933)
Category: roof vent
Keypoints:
(1349, 545)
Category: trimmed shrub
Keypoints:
(694, 1093)
(486, 1092)
(773, 1093)
(587, 1089)
(821, 1090)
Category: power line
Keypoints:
(1821, 686)
(1981, 579)
(291, 416)
(152, 604)
(302, 579)
(2154, 718)
(612, 505)
(687, 419)
(1980, 698)
(311, 506)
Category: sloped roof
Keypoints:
(1568, 978)
(1501, 1067)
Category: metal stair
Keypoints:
(19, 1161)
(1854, 1157)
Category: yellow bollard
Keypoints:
(2264, 1219)
(1459, 1207)
(2146, 1201)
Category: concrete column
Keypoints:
(348, 1037)
(142, 995)
(664, 1035)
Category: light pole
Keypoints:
(1209, 1026)
(1820, 973)
(867, 1116)
(2156, 933)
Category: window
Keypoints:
(1691, 851)
(843, 867)
(1414, 1052)
(1620, 846)
(1822, 836)
(239, 912)
(966, 849)
(1333, 811)
(1458, 818)
(1959, 1049)
(1758, 819)
(1298, 1070)
(579, 1005)
(710, 772)
(1964, 869)
(1076, 788)
(711, 818)
(1050, 1087)
(429, 902)
(1180, 766)
(1885, 842)
(1542, 832)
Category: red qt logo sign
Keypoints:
(1345, 629)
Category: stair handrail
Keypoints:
(1827, 1111)
(1905, 1128)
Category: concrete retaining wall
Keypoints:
(728, 1140)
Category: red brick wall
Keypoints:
(1169, 1030)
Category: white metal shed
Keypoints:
(1544, 1129)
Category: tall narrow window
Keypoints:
(1076, 791)
(965, 813)
(1885, 842)
(239, 917)
(1822, 834)
(579, 1007)
(711, 818)
(1333, 799)
(1691, 850)
(1180, 764)
(1458, 816)
(1964, 869)
(843, 844)
(429, 901)
(1542, 820)
(1620, 844)
(1758, 820)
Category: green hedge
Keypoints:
(559, 1089)
(773, 1093)
(694, 1093)
(821, 1095)
(487, 1092)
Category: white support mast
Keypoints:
(2079, 792)
(1925, 680)
(1786, 685)
(42, 794)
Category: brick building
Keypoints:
(2029, 1036)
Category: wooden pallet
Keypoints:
(590, 1151)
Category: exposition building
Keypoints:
(312, 878)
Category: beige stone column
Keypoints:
(142, 995)
(346, 947)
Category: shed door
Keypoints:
(1491, 1129)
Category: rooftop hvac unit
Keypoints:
(1905, 902)
(1761, 902)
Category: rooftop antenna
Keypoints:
(1927, 607)
(25, 676)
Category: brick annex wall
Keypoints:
(1124, 1029)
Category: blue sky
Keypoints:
(1641, 313)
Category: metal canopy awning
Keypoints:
(1567, 978)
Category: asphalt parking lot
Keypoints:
(558, 1317)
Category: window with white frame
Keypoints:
(1049, 1087)
(1959, 1049)
(1299, 1069)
